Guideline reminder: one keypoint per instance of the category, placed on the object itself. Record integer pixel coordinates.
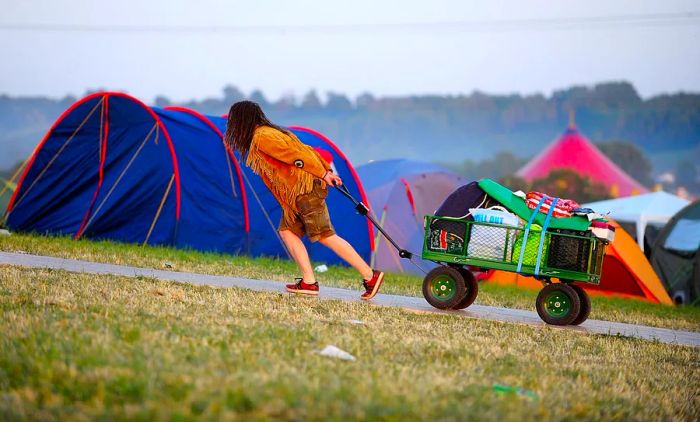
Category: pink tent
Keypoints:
(573, 151)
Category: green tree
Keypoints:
(435, 127)
(232, 94)
(629, 158)
(365, 100)
(515, 183)
(258, 97)
(504, 163)
(311, 101)
(338, 102)
(686, 174)
(162, 101)
(565, 183)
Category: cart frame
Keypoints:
(577, 257)
(594, 258)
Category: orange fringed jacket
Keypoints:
(286, 165)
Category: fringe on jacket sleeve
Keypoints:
(290, 150)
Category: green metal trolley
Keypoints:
(545, 248)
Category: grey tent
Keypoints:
(400, 193)
(676, 255)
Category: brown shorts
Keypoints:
(313, 218)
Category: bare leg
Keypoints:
(344, 250)
(301, 256)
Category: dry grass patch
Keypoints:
(80, 346)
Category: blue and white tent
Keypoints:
(639, 211)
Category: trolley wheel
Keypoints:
(558, 304)
(471, 286)
(585, 305)
(444, 287)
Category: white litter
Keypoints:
(4, 232)
(334, 352)
(355, 321)
(321, 268)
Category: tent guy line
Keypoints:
(414, 304)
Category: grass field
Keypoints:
(77, 346)
(605, 308)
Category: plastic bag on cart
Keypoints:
(532, 246)
(495, 215)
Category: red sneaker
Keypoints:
(302, 288)
(372, 286)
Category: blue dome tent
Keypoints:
(114, 168)
(103, 149)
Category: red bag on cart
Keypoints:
(564, 207)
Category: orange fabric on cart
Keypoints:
(626, 273)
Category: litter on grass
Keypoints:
(334, 352)
(355, 321)
(321, 268)
(4, 232)
(507, 389)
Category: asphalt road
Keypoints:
(493, 313)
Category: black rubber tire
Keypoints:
(585, 310)
(571, 296)
(451, 298)
(471, 286)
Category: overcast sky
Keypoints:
(191, 49)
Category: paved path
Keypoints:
(412, 303)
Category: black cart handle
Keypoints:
(364, 210)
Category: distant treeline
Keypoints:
(433, 128)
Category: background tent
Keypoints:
(635, 213)
(573, 151)
(626, 273)
(400, 193)
(113, 168)
(676, 255)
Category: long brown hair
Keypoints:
(243, 118)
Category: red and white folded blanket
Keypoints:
(564, 207)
